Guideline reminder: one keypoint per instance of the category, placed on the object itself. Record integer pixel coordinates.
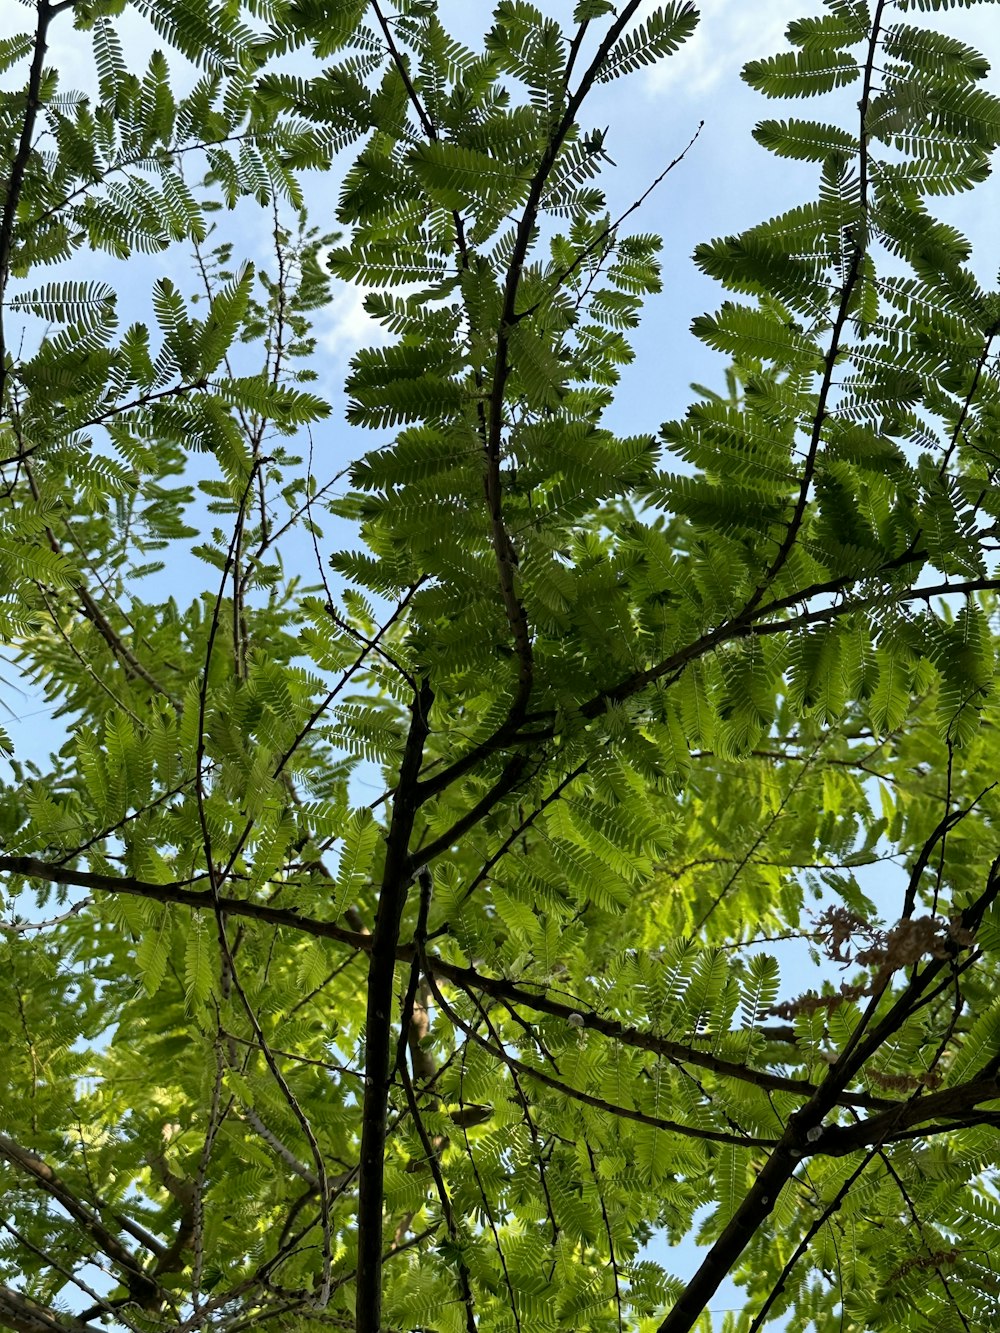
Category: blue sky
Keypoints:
(725, 183)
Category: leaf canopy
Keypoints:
(393, 941)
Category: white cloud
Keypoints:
(347, 325)
(730, 33)
(71, 52)
(16, 18)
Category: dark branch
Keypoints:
(15, 181)
(23, 1315)
(467, 978)
(378, 1022)
(141, 1285)
(599, 1103)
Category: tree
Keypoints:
(448, 1059)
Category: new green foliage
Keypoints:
(393, 942)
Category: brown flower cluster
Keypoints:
(810, 1003)
(885, 952)
(906, 943)
(836, 928)
(902, 945)
(904, 1082)
(923, 1261)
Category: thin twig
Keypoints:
(803, 1245)
(499, 1052)
(467, 978)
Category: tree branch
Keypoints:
(467, 978)
(142, 1287)
(23, 1315)
(502, 546)
(15, 181)
(957, 1102)
(859, 247)
(411, 1029)
(610, 1108)
(760, 1200)
(378, 1022)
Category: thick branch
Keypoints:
(958, 1102)
(23, 1315)
(467, 978)
(141, 1286)
(760, 1200)
(378, 1022)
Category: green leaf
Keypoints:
(804, 73)
(662, 33)
(454, 175)
(361, 838)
